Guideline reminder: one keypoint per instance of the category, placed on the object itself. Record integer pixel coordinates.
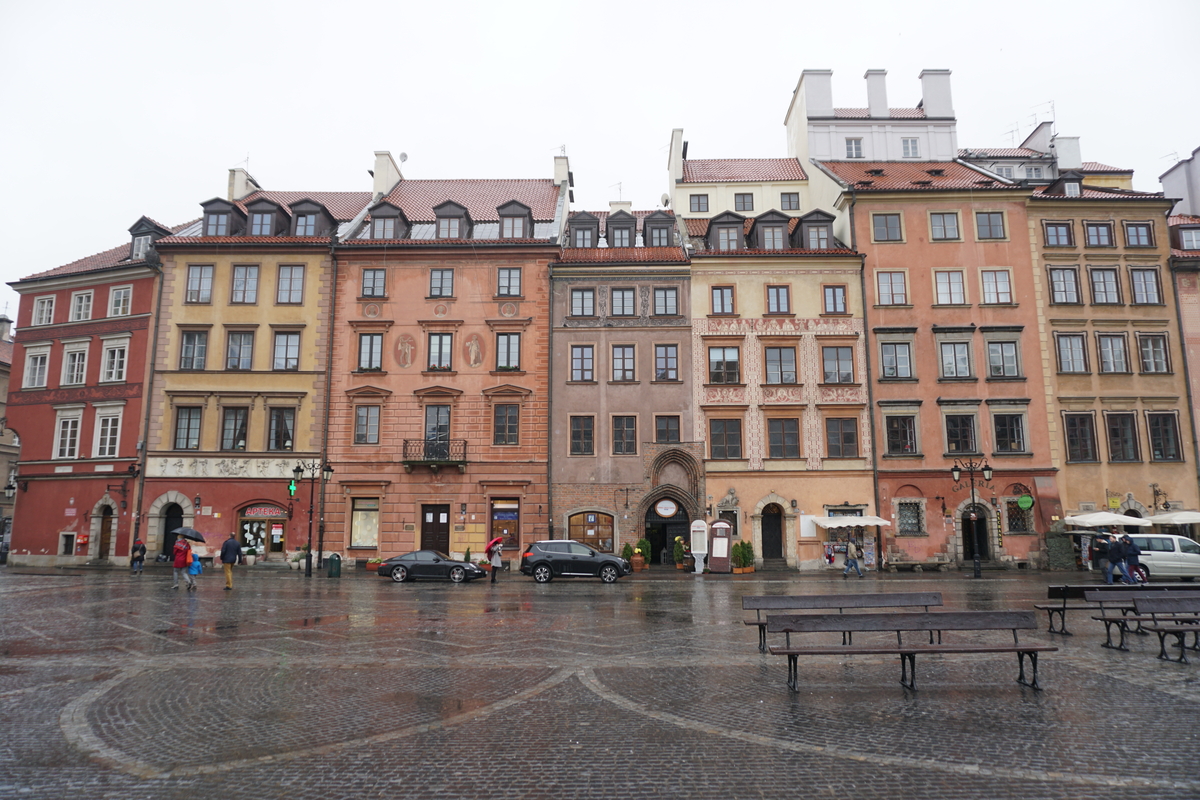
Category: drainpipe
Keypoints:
(1187, 377)
(550, 401)
(147, 396)
(328, 389)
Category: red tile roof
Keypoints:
(1185, 253)
(1001, 152)
(912, 176)
(839, 251)
(318, 241)
(893, 113)
(396, 244)
(6, 352)
(114, 257)
(610, 255)
(709, 170)
(1096, 193)
(481, 197)
(344, 206)
(1096, 166)
(603, 215)
(1183, 219)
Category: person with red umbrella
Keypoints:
(494, 550)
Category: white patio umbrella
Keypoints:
(849, 522)
(1105, 519)
(1175, 518)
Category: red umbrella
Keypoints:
(492, 544)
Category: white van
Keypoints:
(1167, 556)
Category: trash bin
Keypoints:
(333, 566)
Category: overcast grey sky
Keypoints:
(117, 109)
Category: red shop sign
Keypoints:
(264, 511)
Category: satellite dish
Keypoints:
(666, 199)
(403, 157)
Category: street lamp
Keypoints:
(326, 477)
(972, 466)
(312, 468)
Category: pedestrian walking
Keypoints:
(851, 560)
(137, 557)
(497, 562)
(1132, 561)
(195, 568)
(231, 551)
(183, 557)
(1100, 551)
(1116, 560)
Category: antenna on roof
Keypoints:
(1013, 133)
(1173, 156)
(618, 185)
(562, 151)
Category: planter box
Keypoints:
(372, 567)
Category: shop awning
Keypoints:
(849, 522)
(1106, 519)
(1175, 518)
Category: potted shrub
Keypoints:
(681, 551)
(467, 555)
(627, 552)
(638, 561)
(373, 564)
(644, 546)
(735, 558)
(296, 559)
(748, 556)
(250, 555)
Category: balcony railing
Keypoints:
(435, 454)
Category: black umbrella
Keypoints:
(189, 533)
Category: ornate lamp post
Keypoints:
(326, 477)
(312, 468)
(972, 466)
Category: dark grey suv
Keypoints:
(566, 559)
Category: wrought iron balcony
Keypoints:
(435, 454)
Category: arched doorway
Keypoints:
(1130, 512)
(975, 533)
(772, 531)
(106, 530)
(665, 520)
(172, 518)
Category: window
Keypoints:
(910, 518)
(260, 224)
(912, 148)
(956, 359)
(582, 237)
(698, 202)
(1064, 284)
(841, 437)
(996, 286)
(620, 237)
(772, 237)
(287, 351)
(1058, 234)
(193, 349)
(818, 237)
(1189, 238)
(783, 438)
(240, 350)
(960, 433)
(896, 360)
(508, 351)
(722, 299)
(838, 364)
(187, 427)
(1153, 348)
(383, 228)
(666, 430)
(622, 303)
(1033, 172)
(886, 227)
(725, 438)
(439, 350)
(581, 436)
(36, 362)
(666, 302)
(373, 283)
(81, 306)
(1137, 234)
(291, 285)
(891, 289)
(1071, 189)
(990, 224)
(448, 228)
(108, 434)
(743, 202)
(245, 285)
(1145, 286)
(281, 428)
(660, 236)
(729, 238)
(835, 299)
(666, 362)
(854, 148)
(306, 225)
(233, 428)
(366, 424)
(781, 365)
(1099, 234)
(624, 436)
(779, 300)
(508, 282)
(1002, 360)
(504, 426)
(1081, 437)
(199, 284)
(945, 227)
(1104, 286)
(1122, 437)
(950, 287)
(789, 201)
(364, 522)
(216, 225)
(67, 436)
(1010, 433)
(723, 365)
(120, 301)
(74, 367)
(622, 363)
(512, 227)
(441, 283)
(582, 362)
(1003, 172)
(901, 434)
(370, 351)
(1112, 353)
(1071, 355)
(583, 303)
(437, 432)
(1164, 437)
(113, 366)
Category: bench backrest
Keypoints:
(1129, 595)
(1167, 605)
(776, 602)
(904, 621)
(1077, 592)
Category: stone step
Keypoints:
(774, 565)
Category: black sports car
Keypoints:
(428, 564)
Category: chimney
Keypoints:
(935, 93)
(562, 171)
(620, 205)
(675, 159)
(386, 174)
(877, 104)
(1066, 153)
(5, 328)
(241, 184)
(817, 88)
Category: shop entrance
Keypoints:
(106, 526)
(772, 531)
(435, 528)
(172, 519)
(262, 527)
(972, 526)
(665, 520)
(506, 520)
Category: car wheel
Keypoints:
(457, 574)
(400, 574)
(542, 574)
(609, 573)
(1140, 573)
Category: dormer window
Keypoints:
(660, 236)
(260, 224)
(512, 228)
(449, 228)
(140, 245)
(816, 231)
(582, 237)
(1189, 239)
(583, 229)
(306, 225)
(216, 225)
(453, 221)
(1072, 189)
(817, 237)
(384, 229)
(1033, 172)
(516, 220)
(621, 237)
(657, 229)
(772, 237)
(1003, 172)
(387, 222)
(728, 237)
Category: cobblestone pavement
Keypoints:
(119, 687)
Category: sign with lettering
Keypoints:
(264, 511)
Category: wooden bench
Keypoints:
(1172, 616)
(1122, 601)
(810, 602)
(902, 622)
(1067, 592)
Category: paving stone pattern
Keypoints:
(120, 687)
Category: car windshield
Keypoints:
(438, 554)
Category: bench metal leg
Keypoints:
(908, 679)
(762, 638)
(793, 669)
(1062, 621)
(1180, 641)
(1033, 659)
(1121, 628)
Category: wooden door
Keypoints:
(772, 532)
(435, 528)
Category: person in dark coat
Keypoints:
(1116, 559)
(1100, 551)
(231, 551)
(1132, 551)
(137, 556)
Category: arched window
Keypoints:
(592, 528)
